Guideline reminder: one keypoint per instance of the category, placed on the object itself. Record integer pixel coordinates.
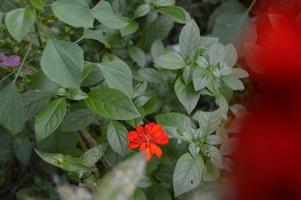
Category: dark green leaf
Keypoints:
(111, 104)
(63, 62)
(77, 120)
(22, 148)
(11, 109)
(117, 137)
(49, 119)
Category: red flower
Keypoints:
(147, 138)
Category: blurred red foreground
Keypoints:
(268, 161)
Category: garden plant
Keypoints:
(119, 99)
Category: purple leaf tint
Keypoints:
(11, 61)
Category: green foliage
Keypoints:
(94, 70)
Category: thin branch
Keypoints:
(23, 61)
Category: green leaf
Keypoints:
(49, 119)
(22, 148)
(74, 13)
(65, 162)
(174, 123)
(59, 142)
(175, 119)
(38, 4)
(158, 192)
(91, 75)
(233, 83)
(139, 195)
(104, 13)
(19, 22)
(62, 62)
(76, 94)
(101, 35)
(137, 55)
(190, 39)
(92, 156)
(215, 155)
(118, 76)
(231, 27)
(131, 28)
(200, 78)
(157, 29)
(34, 101)
(6, 146)
(176, 13)
(186, 95)
(77, 120)
(187, 174)
(208, 121)
(11, 109)
(211, 172)
(238, 73)
(194, 149)
(142, 10)
(171, 60)
(117, 137)
(163, 3)
(150, 75)
(232, 6)
(157, 49)
(111, 104)
(120, 183)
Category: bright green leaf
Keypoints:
(186, 95)
(137, 55)
(171, 60)
(142, 10)
(187, 174)
(190, 39)
(19, 22)
(118, 76)
(104, 13)
(73, 12)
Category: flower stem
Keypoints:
(23, 61)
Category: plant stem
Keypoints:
(77, 41)
(92, 142)
(7, 76)
(23, 61)
(251, 6)
(36, 26)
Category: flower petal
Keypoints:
(155, 150)
(3, 57)
(147, 150)
(157, 133)
(134, 137)
(133, 145)
(12, 61)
